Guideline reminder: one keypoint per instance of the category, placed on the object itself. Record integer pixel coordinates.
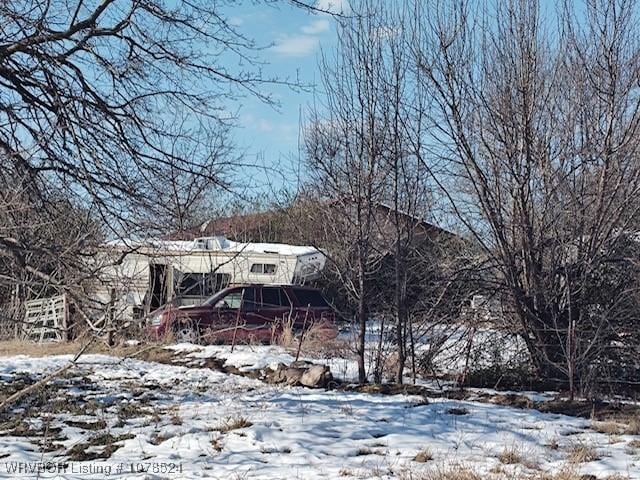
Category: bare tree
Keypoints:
(538, 124)
(180, 200)
(344, 153)
(103, 102)
(367, 157)
(49, 236)
(407, 185)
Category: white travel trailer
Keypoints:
(146, 275)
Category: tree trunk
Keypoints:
(362, 324)
(401, 310)
(377, 374)
(360, 344)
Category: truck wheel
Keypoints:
(186, 332)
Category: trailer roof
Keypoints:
(215, 244)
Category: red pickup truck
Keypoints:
(257, 312)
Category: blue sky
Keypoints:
(294, 37)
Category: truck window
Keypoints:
(249, 299)
(245, 297)
(270, 297)
(230, 300)
(284, 300)
(312, 298)
(274, 297)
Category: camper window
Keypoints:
(192, 285)
(256, 268)
(200, 284)
(265, 268)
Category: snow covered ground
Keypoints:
(112, 417)
(249, 357)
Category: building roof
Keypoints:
(229, 226)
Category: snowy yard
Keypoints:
(114, 415)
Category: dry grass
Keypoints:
(496, 473)
(633, 426)
(287, 337)
(155, 353)
(133, 410)
(564, 474)
(21, 347)
(510, 455)
(452, 473)
(89, 449)
(316, 342)
(633, 447)
(498, 469)
(423, 456)
(607, 428)
(570, 473)
(364, 451)
(499, 473)
(583, 453)
(94, 425)
(511, 400)
(158, 438)
(553, 444)
(514, 455)
(233, 423)
(217, 445)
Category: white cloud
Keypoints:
(319, 26)
(283, 130)
(296, 45)
(305, 41)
